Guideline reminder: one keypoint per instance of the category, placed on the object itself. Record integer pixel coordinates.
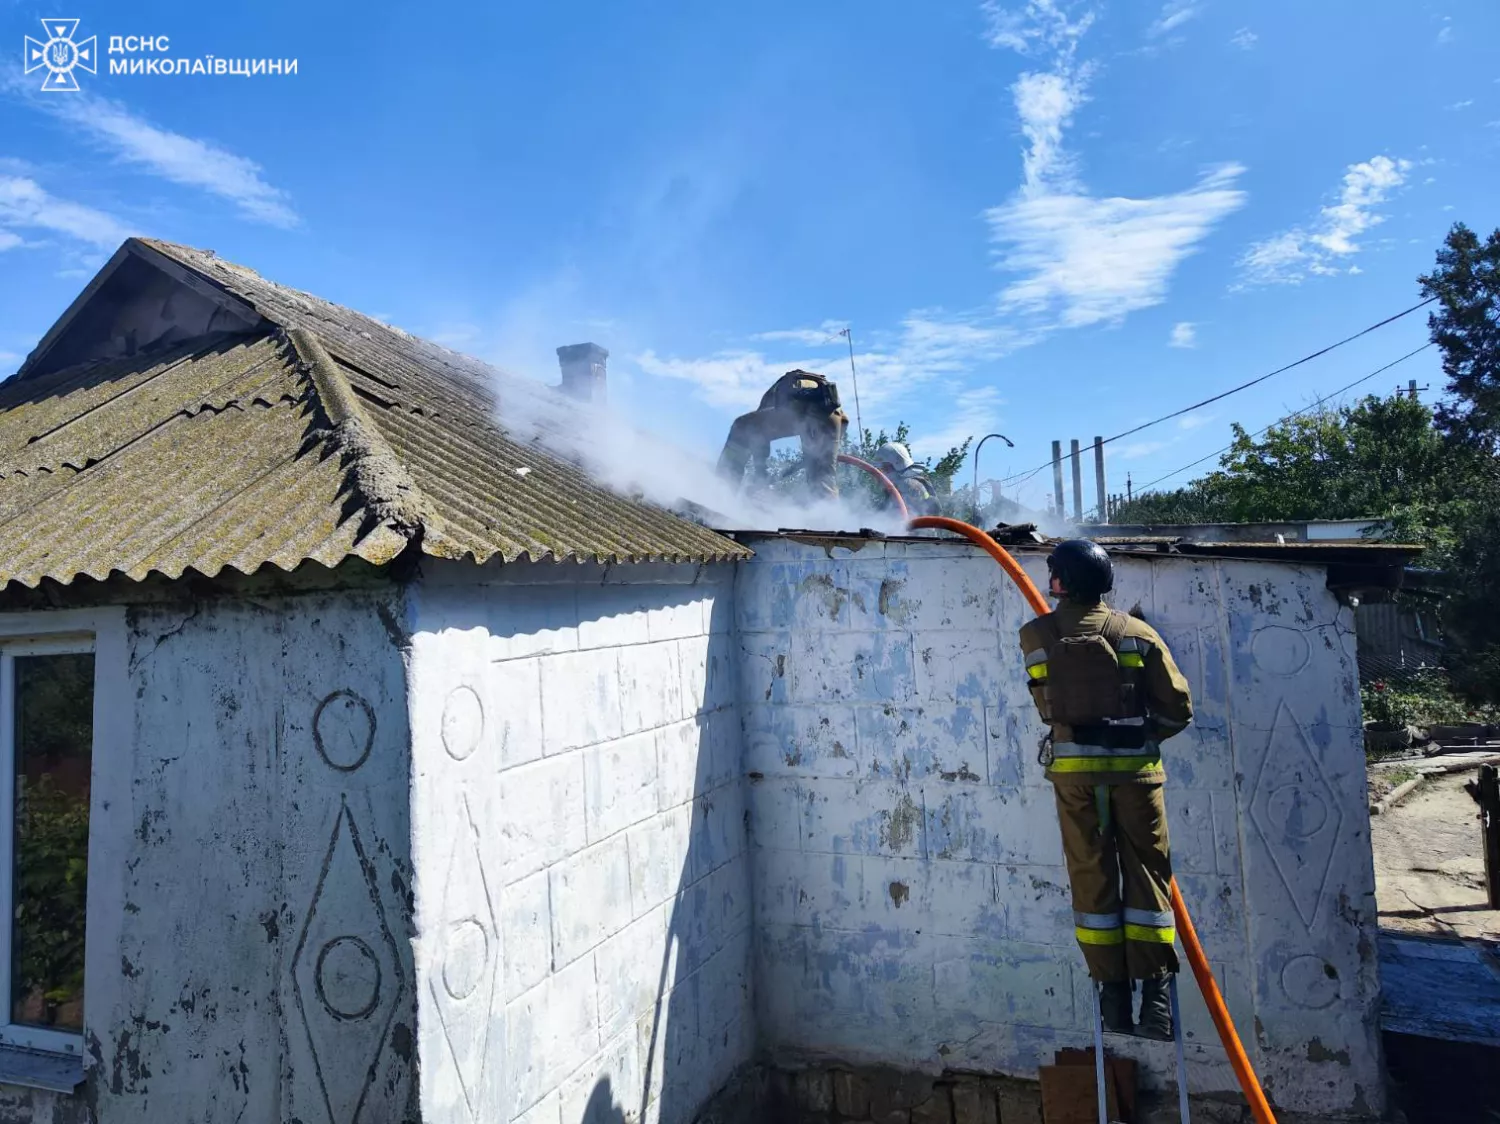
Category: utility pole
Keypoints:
(1128, 496)
(1411, 389)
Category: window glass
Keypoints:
(54, 737)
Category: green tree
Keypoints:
(1466, 327)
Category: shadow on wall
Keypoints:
(698, 1031)
(602, 1108)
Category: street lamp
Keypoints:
(982, 440)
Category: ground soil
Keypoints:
(1429, 864)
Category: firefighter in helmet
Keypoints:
(1110, 692)
(895, 460)
(800, 404)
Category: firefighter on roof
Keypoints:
(800, 404)
(895, 460)
(1108, 688)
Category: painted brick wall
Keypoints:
(911, 903)
(582, 887)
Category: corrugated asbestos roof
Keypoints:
(328, 436)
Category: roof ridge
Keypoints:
(377, 478)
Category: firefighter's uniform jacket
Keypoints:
(1108, 783)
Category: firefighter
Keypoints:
(1110, 692)
(800, 404)
(895, 460)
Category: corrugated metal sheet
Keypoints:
(346, 438)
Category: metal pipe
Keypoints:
(1099, 480)
(1057, 487)
(1077, 484)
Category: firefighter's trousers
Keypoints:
(1112, 833)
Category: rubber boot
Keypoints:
(1114, 1006)
(1156, 1010)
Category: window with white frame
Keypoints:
(46, 756)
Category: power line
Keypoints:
(1141, 491)
(1235, 390)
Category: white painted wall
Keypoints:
(248, 941)
(911, 902)
(582, 886)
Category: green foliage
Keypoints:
(1427, 699)
(1466, 327)
(785, 466)
(51, 886)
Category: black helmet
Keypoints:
(1085, 571)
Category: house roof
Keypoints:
(318, 434)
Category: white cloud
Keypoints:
(8, 356)
(1135, 450)
(808, 337)
(25, 204)
(1085, 259)
(1088, 260)
(1244, 39)
(1035, 25)
(172, 156)
(1195, 421)
(9, 241)
(1289, 257)
(1461, 105)
(1174, 14)
(1184, 334)
(1445, 33)
(892, 371)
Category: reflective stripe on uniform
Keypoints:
(1149, 935)
(1162, 920)
(1036, 664)
(1132, 659)
(1073, 749)
(1105, 764)
(1099, 936)
(1096, 920)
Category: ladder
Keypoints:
(1182, 1094)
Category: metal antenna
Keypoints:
(854, 375)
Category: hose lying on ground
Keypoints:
(1218, 1011)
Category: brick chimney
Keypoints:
(583, 371)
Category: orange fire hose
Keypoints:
(1217, 1009)
(885, 481)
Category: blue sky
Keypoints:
(1052, 220)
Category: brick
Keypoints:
(974, 1104)
(542, 814)
(1019, 1102)
(527, 621)
(580, 699)
(817, 741)
(591, 898)
(936, 1109)
(551, 1031)
(516, 690)
(962, 666)
(872, 667)
(718, 829)
(765, 667)
(775, 813)
(812, 1090)
(851, 1094)
(603, 1090)
(976, 823)
(659, 858)
(619, 784)
(547, 1111)
(681, 616)
(526, 928)
(650, 686)
(864, 817)
(684, 755)
(940, 740)
(614, 615)
(629, 965)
